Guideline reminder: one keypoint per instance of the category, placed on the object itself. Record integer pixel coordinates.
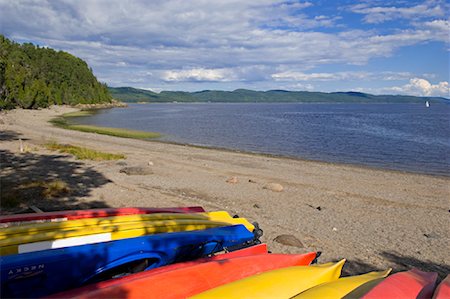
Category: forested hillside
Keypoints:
(129, 94)
(33, 77)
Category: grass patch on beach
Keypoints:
(48, 189)
(125, 133)
(14, 195)
(63, 122)
(83, 153)
(79, 113)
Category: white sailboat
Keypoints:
(427, 104)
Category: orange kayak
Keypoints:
(187, 281)
(443, 290)
(408, 284)
(75, 293)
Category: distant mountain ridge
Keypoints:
(134, 95)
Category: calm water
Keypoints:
(393, 136)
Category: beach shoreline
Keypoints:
(375, 218)
(385, 147)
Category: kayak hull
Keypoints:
(42, 273)
(191, 280)
(279, 283)
(89, 290)
(443, 289)
(408, 284)
(341, 287)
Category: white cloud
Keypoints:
(300, 76)
(165, 42)
(392, 76)
(340, 76)
(198, 74)
(299, 86)
(157, 90)
(438, 28)
(296, 5)
(422, 87)
(198, 34)
(252, 73)
(380, 14)
(442, 25)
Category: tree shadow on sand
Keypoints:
(49, 182)
(9, 135)
(402, 263)
(398, 263)
(356, 267)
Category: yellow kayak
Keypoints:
(280, 283)
(37, 228)
(342, 286)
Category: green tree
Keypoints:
(33, 77)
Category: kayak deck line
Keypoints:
(61, 243)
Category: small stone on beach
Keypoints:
(136, 170)
(232, 180)
(289, 240)
(275, 187)
(318, 208)
(431, 235)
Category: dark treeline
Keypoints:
(33, 77)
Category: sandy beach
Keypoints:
(376, 219)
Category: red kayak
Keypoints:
(93, 213)
(409, 284)
(190, 280)
(86, 290)
(443, 290)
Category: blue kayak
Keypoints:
(42, 273)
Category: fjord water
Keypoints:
(407, 137)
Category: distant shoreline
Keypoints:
(130, 95)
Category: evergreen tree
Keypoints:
(33, 77)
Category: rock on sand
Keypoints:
(274, 187)
(289, 240)
(136, 170)
(232, 180)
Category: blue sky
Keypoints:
(380, 47)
